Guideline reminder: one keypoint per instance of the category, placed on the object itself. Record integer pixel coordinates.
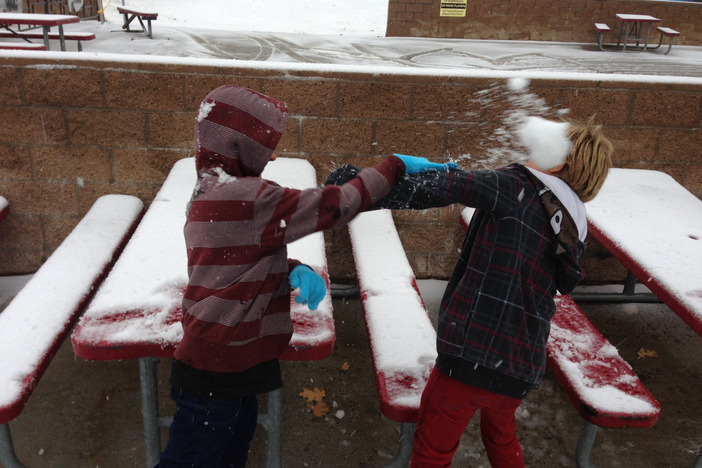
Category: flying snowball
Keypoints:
(518, 84)
(546, 141)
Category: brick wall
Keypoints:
(539, 20)
(75, 130)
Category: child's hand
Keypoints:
(312, 286)
(414, 164)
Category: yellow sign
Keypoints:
(455, 8)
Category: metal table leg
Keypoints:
(584, 446)
(8, 459)
(61, 38)
(149, 409)
(404, 453)
(698, 461)
(46, 36)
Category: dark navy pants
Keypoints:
(210, 432)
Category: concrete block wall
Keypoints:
(540, 20)
(75, 130)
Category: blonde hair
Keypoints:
(589, 161)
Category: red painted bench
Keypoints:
(601, 30)
(670, 34)
(403, 356)
(71, 36)
(130, 14)
(136, 313)
(42, 314)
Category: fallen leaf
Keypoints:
(647, 353)
(345, 366)
(312, 395)
(319, 409)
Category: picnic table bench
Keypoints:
(130, 14)
(402, 337)
(136, 313)
(67, 36)
(36, 322)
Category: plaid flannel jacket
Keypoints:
(498, 304)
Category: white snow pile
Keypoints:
(44, 307)
(403, 340)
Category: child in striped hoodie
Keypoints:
(236, 307)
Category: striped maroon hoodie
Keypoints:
(236, 307)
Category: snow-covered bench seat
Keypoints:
(600, 384)
(402, 337)
(4, 208)
(136, 313)
(39, 318)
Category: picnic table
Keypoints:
(136, 313)
(653, 226)
(632, 28)
(45, 21)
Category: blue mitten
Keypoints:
(313, 288)
(414, 164)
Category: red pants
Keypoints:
(447, 407)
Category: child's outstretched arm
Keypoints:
(290, 214)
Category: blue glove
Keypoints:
(414, 164)
(313, 288)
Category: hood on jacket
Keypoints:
(237, 130)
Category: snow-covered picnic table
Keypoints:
(136, 313)
(653, 226)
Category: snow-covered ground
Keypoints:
(362, 17)
(349, 36)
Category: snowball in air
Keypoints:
(546, 141)
(518, 84)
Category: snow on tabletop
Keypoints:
(403, 338)
(152, 271)
(658, 223)
(300, 174)
(41, 310)
(149, 278)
